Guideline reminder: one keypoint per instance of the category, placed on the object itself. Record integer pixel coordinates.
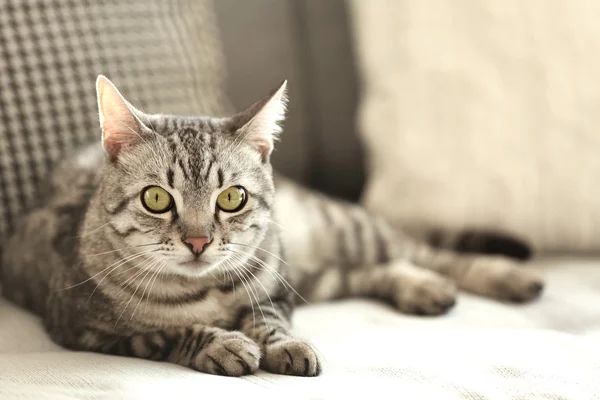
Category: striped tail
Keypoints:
(486, 242)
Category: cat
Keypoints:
(173, 240)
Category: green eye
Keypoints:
(156, 199)
(232, 199)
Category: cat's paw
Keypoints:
(292, 357)
(229, 354)
(505, 280)
(426, 294)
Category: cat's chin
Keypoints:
(193, 268)
(197, 263)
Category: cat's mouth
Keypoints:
(196, 263)
(194, 267)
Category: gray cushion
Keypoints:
(165, 56)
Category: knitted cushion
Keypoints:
(165, 56)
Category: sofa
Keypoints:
(216, 56)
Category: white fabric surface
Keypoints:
(483, 114)
(481, 350)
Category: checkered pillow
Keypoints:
(163, 55)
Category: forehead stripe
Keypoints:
(170, 177)
(220, 174)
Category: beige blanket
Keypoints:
(481, 350)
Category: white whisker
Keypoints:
(130, 257)
(114, 269)
(156, 268)
(279, 225)
(92, 231)
(147, 269)
(261, 284)
(142, 268)
(158, 272)
(270, 268)
(261, 249)
(235, 271)
(122, 248)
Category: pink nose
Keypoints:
(197, 244)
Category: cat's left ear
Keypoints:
(261, 121)
(121, 128)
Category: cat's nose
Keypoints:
(197, 244)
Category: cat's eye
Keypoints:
(156, 199)
(232, 199)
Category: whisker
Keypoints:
(256, 295)
(258, 302)
(232, 280)
(159, 271)
(235, 271)
(255, 277)
(147, 268)
(261, 284)
(90, 232)
(226, 271)
(260, 248)
(156, 268)
(156, 157)
(114, 269)
(279, 225)
(122, 248)
(267, 266)
(95, 275)
(217, 267)
(142, 268)
(252, 291)
(149, 120)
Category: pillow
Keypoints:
(165, 56)
(483, 115)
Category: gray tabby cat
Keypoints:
(169, 245)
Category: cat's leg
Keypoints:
(206, 349)
(283, 353)
(497, 277)
(332, 237)
(409, 288)
(491, 276)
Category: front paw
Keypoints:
(506, 280)
(229, 354)
(292, 357)
(426, 293)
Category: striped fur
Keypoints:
(107, 275)
(346, 251)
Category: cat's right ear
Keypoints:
(121, 128)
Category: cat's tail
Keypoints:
(481, 242)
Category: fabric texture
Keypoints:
(481, 350)
(483, 115)
(164, 55)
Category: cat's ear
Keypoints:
(121, 128)
(260, 123)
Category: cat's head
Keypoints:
(197, 191)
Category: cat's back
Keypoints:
(46, 239)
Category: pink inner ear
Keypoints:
(118, 134)
(112, 146)
(262, 145)
(119, 127)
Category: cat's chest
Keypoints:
(218, 308)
